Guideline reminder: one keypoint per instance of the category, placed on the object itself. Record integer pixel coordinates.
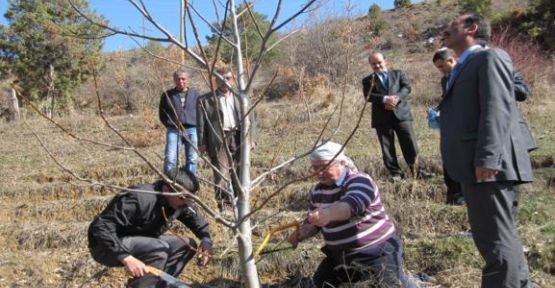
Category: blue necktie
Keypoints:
(454, 74)
(383, 76)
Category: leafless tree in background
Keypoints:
(241, 222)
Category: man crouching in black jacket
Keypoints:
(129, 232)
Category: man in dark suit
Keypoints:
(388, 91)
(482, 148)
(218, 120)
(444, 60)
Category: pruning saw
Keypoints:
(166, 277)
(296, 224)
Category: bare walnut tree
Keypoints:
(229, 32)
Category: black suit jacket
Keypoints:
(444, 81)
(398, 85)
(139, 214)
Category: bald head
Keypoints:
(377, 62)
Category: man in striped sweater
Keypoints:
(361, 242)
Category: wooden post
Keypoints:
(14, 106)
(182, 29)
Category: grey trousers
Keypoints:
(167, 253)
(490, 213)
(223, 189)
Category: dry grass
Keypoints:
(45, 212)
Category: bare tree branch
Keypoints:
(248, 8)
(281, 40)
(271, 30)
(219, 32)
(126, 189)
(169, 37)
(216, 10)
(65, 130)
(149, 52)
(261, 97)
(299, 12)
(278, 191)
(113, 29)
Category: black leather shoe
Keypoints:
(425, 175)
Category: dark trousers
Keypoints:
(224, 189)
(381, 266)
(407, 141)
(167, 253)
(454, 190)
(490, 212)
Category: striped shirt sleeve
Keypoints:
(360, 194)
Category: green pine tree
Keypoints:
(49, 48)
(374, 11)
(541, 23)
(250, 38)
(401, 3)
(481, 7)
(377, 23)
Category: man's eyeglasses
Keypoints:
(322, 167)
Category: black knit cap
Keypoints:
(184, 178)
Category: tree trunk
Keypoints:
(182, 29)
(14, 106)
(303, 96)
(50, 96)
(246, 255)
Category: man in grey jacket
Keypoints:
(482, 148)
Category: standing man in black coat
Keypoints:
(445, 60)
(130, 231)
(391, 114)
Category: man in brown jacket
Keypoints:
(219, 122)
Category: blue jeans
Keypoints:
(174, 140)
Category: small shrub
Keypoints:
(481, 7)
(374, 10)
(541, 22)
(375, 20)
(434, 255)
(528, 57)
(401, 3)
(281, 90)
(144, 138)
(542, 251)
